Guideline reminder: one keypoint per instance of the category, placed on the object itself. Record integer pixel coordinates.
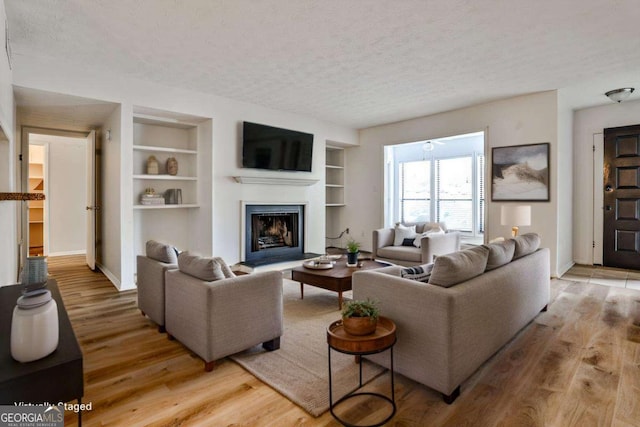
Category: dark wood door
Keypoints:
(621, 238)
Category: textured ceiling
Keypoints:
(359, 62)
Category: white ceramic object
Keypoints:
(34, 328)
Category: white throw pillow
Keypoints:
(418, 240)
(402, 232)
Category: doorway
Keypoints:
(59, 166)
(621, 197)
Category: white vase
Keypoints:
(34, 331)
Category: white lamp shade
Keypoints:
(515, 215)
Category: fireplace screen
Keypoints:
(274, 230)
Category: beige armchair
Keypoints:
(434, 244)
(216, 314)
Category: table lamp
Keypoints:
(515, 215)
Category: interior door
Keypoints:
(621, 171)
(91, 200)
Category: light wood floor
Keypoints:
(576, 365)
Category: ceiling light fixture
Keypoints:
(619, 95)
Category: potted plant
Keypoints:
(353, 249)
(360, 317)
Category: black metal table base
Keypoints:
(391, 400)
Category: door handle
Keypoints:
(608, 208)
(608, 188)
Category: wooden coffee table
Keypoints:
(337, 279)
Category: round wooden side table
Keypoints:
(382, 339)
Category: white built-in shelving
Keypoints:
(334, 176)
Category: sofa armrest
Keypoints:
(439, 244)
(381, 237)
(216, 319)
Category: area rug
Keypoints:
(299, 369)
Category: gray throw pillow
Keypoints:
(526, 244)
(421, 273)
(457, 267)
(207, 269)
(500, 254)
(161, 252)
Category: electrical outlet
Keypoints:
(362, 234)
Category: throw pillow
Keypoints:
(402, 232)
(161, 252)
(421, 273)
(417, 242)
(408, 242)
(500, 254)
(207, 269)
(526, 244)
(457, 267)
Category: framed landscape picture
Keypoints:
(520, 173)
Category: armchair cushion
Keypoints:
(457, 267)
(417, 242)
(402, 232)
(207, 269)
(161, 252)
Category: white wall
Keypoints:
(8, 214)
(521, 120)
(110, 253)
(226, 195)
(67, 192)
(588, 122)
(564, 189)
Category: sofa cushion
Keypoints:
(401, 232)
(421, 273)
(417, 242)
(161, 252)
(207, 269)
(500, 253)
(404, 253)
(526, 244)
(457, 267)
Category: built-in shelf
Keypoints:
(163, 149)
(181, 206)
(333, 205)
(166, 177)
(274, 181)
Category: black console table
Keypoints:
(57, 378)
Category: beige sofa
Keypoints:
(434, 244)
(215, 313)
(446, 333)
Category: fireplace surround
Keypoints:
(273, 233)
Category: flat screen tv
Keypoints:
(267, 147)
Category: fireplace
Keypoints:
(273, 233)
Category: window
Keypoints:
(441, 181)
(415, 191)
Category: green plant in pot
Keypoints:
(353, 249)
(360, 317)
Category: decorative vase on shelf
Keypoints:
(152, 166)
(172, 166)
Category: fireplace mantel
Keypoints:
(274, 181)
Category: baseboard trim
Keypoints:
(67, 253)
(562, 270)
(112, 277)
